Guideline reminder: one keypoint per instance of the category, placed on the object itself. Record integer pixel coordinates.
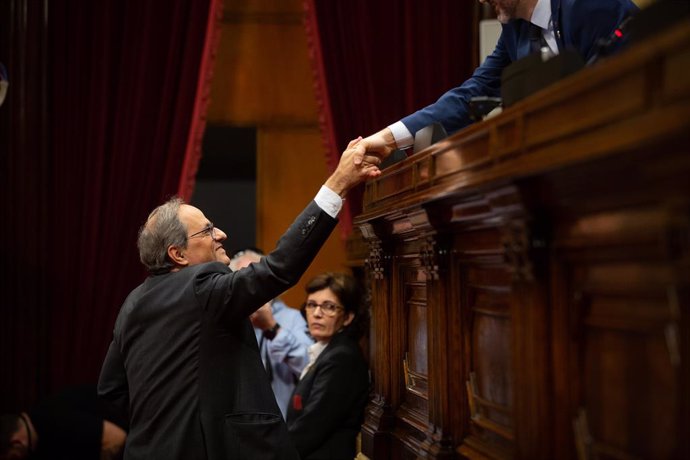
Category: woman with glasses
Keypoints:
(327, 406)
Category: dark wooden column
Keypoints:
(378, 414)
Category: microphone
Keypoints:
(606, 45)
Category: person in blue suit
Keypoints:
(562, 24)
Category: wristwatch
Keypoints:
(270, 334)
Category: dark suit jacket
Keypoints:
(185, 363)
(327, 407)
(578, 25)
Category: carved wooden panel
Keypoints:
(412, 413)
(624, 317)
(628, 350)
(485, 303)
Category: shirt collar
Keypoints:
(316, 349)
(541, 16)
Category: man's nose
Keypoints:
(219, 235)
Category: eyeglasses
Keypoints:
(328, 308)
(209, 229)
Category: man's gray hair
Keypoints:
(162, 229)
(250, 254)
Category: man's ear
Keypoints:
(177, 256)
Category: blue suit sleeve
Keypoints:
(452, 109)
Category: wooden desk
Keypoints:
(530, 275)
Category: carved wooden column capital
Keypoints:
(374, 261)
(429, 256)
(516, 247)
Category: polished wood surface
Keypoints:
(530, 275)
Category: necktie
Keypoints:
(536, 38)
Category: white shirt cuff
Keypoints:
(329, 201)
(403, 137)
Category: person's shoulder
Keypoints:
(346, 358)
(343, 347)
(293, 321)
(277, 305)
(281, 308)
(130, 302)
(511, 33)
(592, 10)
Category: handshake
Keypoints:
(373, 149)
(360, 161)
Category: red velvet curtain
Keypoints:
(104, 99)
(377, 61)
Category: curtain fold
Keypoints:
(121, 117)
(375, 62)
(202, 100)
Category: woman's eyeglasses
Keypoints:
(327, 307)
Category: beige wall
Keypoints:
(263, 78)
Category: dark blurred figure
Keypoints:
(73, 424)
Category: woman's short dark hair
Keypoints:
(350, 295)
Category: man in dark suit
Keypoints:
(557, 24)
(184, 362)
